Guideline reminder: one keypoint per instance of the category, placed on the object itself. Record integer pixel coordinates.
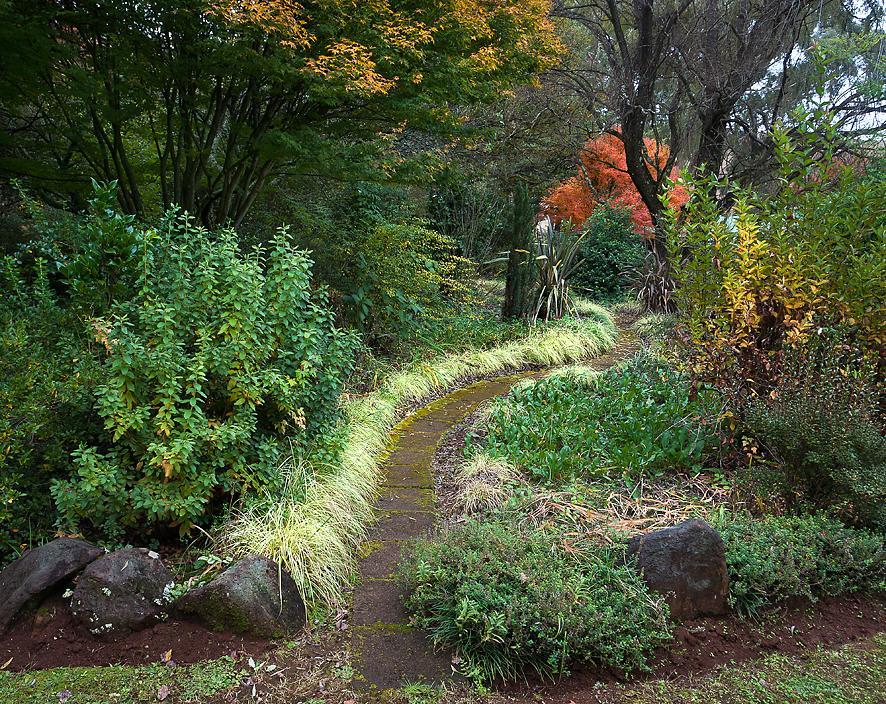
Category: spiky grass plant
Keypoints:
(557, 257)
(315, 533)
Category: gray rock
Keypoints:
(38, 570)
(125, 591)
(687, 565)
(252, 596)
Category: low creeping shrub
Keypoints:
(776, 558)
(630, 421)
(509, 600)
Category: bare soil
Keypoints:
(51, 638)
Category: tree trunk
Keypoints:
(518, 282)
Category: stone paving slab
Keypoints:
(378, 601)
(403, 525)
(388, 658)
(401, 476)
(382, 560)
(406, 498)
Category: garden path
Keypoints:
(387, 651)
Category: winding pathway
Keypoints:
(387, 651)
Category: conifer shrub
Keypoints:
(508, 600)
(612, 254)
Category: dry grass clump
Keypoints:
(612, 515)
(483, 484)
(314, 532)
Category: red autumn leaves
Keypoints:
(603, 178)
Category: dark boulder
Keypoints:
(38, 570)
(687, 565)
(125, 591)
(253, 596)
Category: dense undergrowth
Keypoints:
(314, 529)
(511, 600)
(637, 420)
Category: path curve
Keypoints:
(387, 651)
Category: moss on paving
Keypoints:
(121, 684)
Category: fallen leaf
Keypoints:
(163, 692)
(5, 664)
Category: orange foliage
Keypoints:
(603, 178)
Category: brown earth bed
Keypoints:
(50, 638)
(703, 645)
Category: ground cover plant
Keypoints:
(636, 420)
(775, 558)
(508, 601)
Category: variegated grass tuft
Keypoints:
(483, 484)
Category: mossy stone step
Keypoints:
(387, 658)
(382, 560)
(403, 525)
(379, 601)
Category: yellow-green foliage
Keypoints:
(782, 266)
(315, 533)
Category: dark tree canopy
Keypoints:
(200, 103)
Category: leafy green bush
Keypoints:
(611, 254)
(820, 426)
(641, 418)
(219, 364)
(403, 275)
(508, 600)
(777, 558)
(46, 405)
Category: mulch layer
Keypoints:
(51, 638)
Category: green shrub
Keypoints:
(404, 275)
(611, 254)
(639, 419)
(777, 558)
(46, 405)
(821, 426)
(219, 365)
(508, 600)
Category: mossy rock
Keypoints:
(253, 596)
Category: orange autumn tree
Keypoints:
(603, 178)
